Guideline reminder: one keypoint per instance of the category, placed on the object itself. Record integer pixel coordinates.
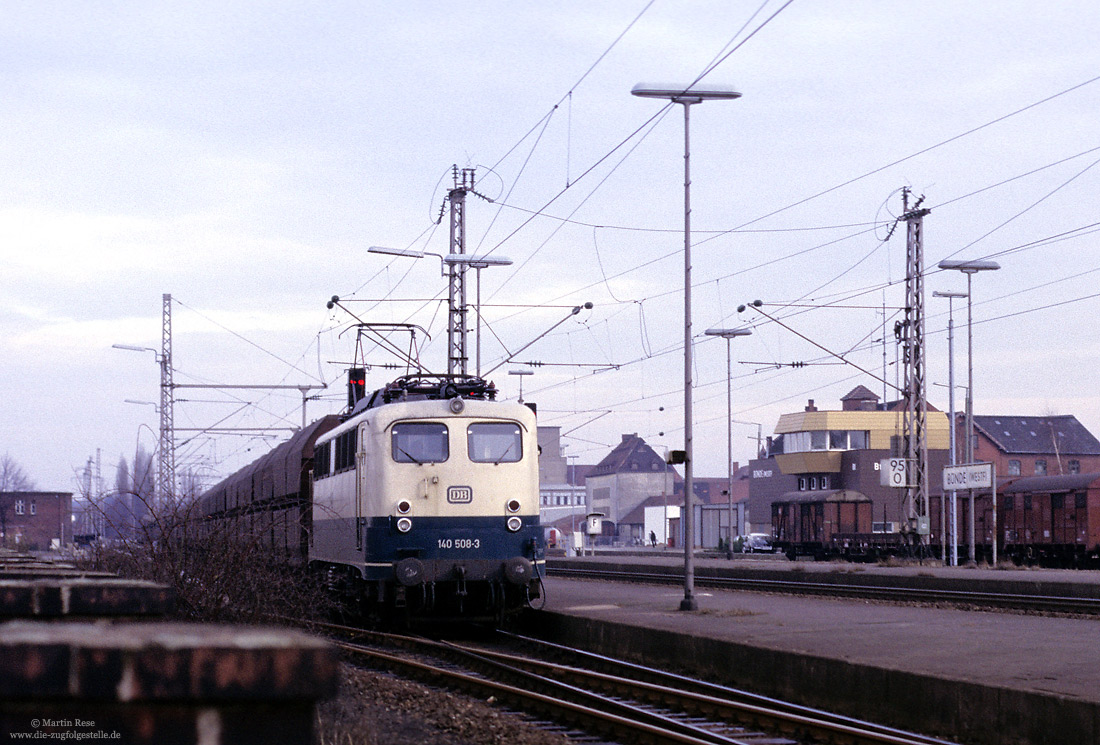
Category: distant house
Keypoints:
(1032, 445)
(36, 520)
(625, 478)
(660, 514)
(561, 484)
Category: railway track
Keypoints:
(589, 696)
(1000, 600)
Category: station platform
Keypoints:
(966, 675)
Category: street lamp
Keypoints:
(477, 263)
(686, 95)
(728, 335)
(953, 455)
(454, 261)
(970, 268)
(167, 457)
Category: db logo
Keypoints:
(460, 494)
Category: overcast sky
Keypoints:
(243, 156)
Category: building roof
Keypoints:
(860, 393)
(577, 473)
(631, 455)
(35, 493)
(1038, 435)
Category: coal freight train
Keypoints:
(421, 501)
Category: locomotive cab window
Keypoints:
(494, 442)
(420, 442)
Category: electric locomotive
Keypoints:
(425, 501)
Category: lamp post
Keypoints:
(477, 263)
(728, 335)
(166, 456)
(457, 263)
(521, 373)
(686, 96)
(953, 455)
(970, 268)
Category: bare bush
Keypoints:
(218, 572)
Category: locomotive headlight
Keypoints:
(403, 507)
(514, 524)
(513, 505)
(404, 524)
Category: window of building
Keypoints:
(420, 442)
(34, 507)
(1014, 468)
(802, 483)
(1080, 500)
(1057, 501)
(1075, 466)
(824, 482)
(20, 507)
(1009, 503)
(1040, 467)
(833, 439)
(494, 442)
(813, 482)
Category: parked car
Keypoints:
(757, 543)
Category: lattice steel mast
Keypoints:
(915, 423)
(166, 453)
(457, 356)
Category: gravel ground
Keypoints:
(373, 708)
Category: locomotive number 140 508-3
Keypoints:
(461, 543)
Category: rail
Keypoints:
(632, 704)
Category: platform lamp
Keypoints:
(522, 373)
(686, 96)
(477, 263)
(970, 268)
(953, 455)
(729, 335)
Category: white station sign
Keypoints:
(970, 476)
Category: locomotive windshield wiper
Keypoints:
(409, 455)
(497, 462)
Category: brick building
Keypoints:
(1031, 445)
(36, 520)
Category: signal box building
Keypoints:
(820, 453)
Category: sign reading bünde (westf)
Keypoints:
(971, 476)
